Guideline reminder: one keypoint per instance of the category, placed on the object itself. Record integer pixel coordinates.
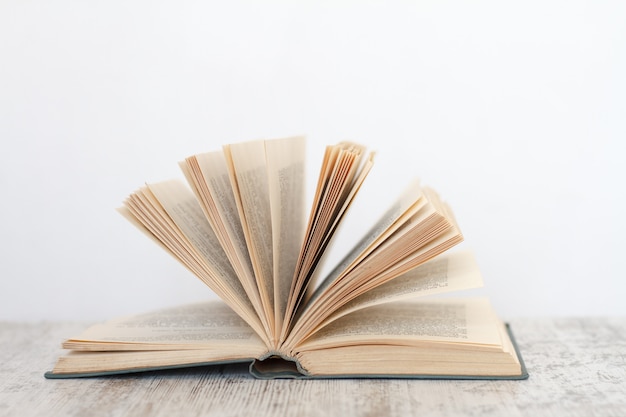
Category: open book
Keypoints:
(239, 224)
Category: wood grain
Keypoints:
(577, 367)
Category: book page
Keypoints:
(341, 176)
(184, 210)
(248, 173)
(198, 246)
(193, 326)
(208, 175)
(332, 212)
(285, 165)
(420, 237)
(407, 204)
(445, 273)
(459, 321)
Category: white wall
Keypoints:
(514, 111)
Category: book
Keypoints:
(238, 222)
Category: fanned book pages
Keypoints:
(239, 223)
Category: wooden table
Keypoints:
(577, 367)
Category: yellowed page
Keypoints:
(192, 334)
(193, 326)
(437, 337)
(378, 272)
(144, 210)
(170, 212)
(183, 208)
(248, 173)
(407, 205)
(341, 176)
(462, 322)
(285, 167)
(209, 177)
(335, 216)
(420, 237)
(446, 273)
(437, 360)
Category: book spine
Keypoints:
(274, 365)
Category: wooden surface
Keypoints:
(577, 368)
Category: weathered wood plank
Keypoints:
(577, 367)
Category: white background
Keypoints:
(514, 111)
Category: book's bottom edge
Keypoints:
(286, 375)
(291, 370)
(70, 375)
